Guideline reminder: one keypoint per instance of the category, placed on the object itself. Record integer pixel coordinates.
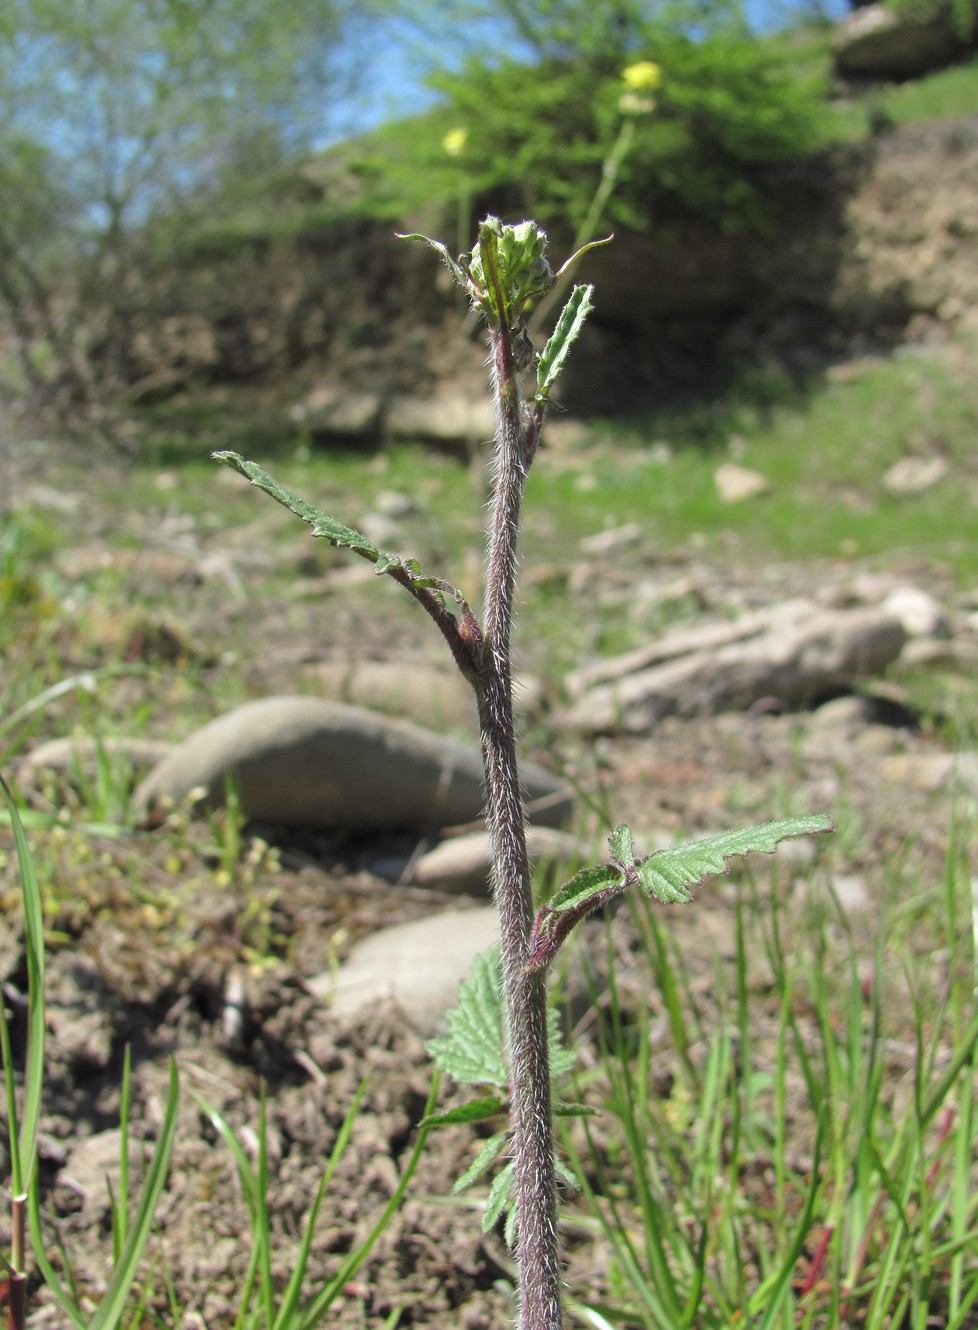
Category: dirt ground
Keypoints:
(150, 930)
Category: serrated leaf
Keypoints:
(588, 882)
(476, 1110)
(482, 1162)
(668, 874)
(498, 1197)
(322, 524)
(620, 845)
(473, 1049)
(569, 325)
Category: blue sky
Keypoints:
(395, 64)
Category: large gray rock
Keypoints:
(302, 761)
(417, 965)
(883, 43)
(788, 657)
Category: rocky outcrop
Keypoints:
(351, 334)
(879, 42)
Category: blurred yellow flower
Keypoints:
(454, 141)
(643, 76)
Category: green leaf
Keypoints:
(561, 1059)
(482, 1162)
(588, 882)
(668, 874)
(620, 845)
(498, 1198)
(473, 1050)
(23, 1143)
(113, 1301)
(574, 1111)
(569, 325)
(322, 524)
(565, 1175)
(439, 248)
(476, 1110)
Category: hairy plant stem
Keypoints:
(538, 1253)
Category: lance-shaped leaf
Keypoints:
(482, 1162)
(322, 524)
(574, 1111)
(338, 534)
(668, 874)
(588, 882)
(476, 1110)
(498, 1198)
(569, 325)
(439, 248)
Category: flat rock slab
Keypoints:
(303, 761)
(787, 657)
(417, 965)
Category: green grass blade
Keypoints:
(34, 942)
(263, 1237)
(961, 1185)
(775, 1293)
(111, 1307)
(967, 1303)
(246, 1174)
(52, 1280)
(120, 1226)
(290, 1302)
(13, 1117)
(963, 1052)
(314, 1311)
(249, 1189)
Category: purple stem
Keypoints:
(531, 1116)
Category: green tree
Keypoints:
(115, 114)
(534, 91)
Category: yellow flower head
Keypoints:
(643, 76)
(454, 142)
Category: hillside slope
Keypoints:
(875, 245)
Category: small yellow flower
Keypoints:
(643, 76)
(454, 142)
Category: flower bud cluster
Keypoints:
(522, 265)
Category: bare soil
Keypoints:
(150, 931)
